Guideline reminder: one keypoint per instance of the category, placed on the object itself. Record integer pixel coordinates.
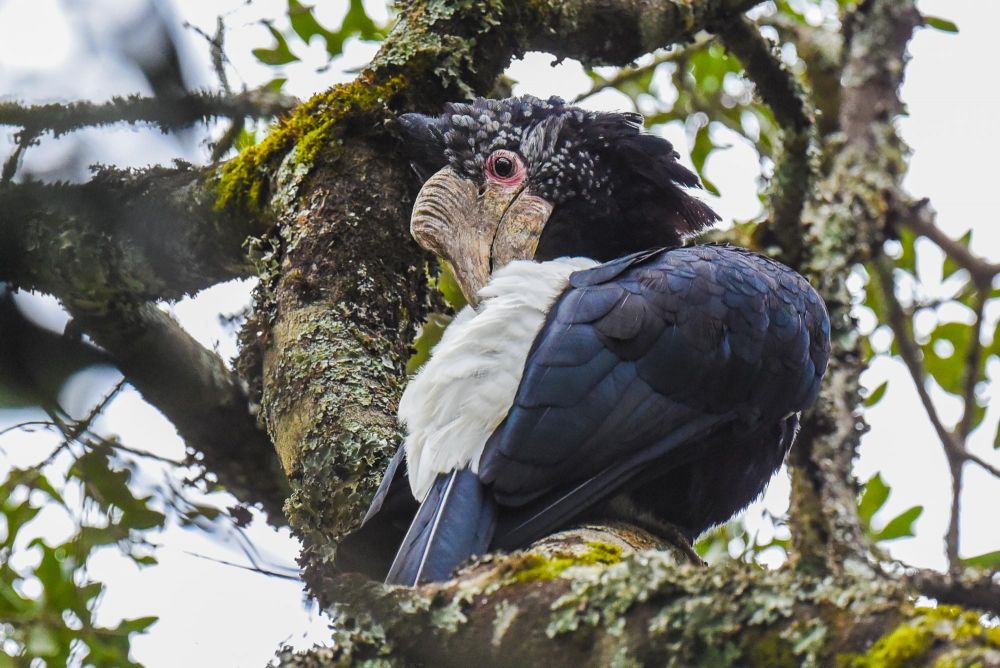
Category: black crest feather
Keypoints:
(615, 189)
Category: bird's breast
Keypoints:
(464, 391)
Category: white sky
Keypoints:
(212, 614)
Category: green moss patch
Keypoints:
(913, 642)
(540, 567)
(243, 181)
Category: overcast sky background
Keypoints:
(214, 614)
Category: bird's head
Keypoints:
(525, 178)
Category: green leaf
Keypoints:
(279, 54)
(42, 641)
(305, 24)
(996, 439)
(105, 485)
(703, 147)
(950, 266)
(449, 287)
(949, 372)
(876, 395)
(357, 22)
(143, 518)
(246, 139)
(275, 84)
(900, 526)
(938, 23)
(428, 336)
(137, 625)
(989, 561)
(874, 496)
(16, 517)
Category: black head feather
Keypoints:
(614, 189)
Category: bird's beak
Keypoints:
(477, 232)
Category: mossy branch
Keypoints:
(153, 234)
(601, 596)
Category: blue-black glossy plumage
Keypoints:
(670, 378)
(712, 342)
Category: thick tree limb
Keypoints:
(153, 234)
(106, 246)
(599, 32)
(594, 597)
(977, 590)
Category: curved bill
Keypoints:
(477, 232)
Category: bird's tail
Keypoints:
(454, 522)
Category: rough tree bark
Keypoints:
(326, 198)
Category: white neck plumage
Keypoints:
(464, 391)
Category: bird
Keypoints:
(601, 370)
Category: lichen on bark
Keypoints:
(633, 606)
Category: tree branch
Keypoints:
(977, 590)
(191, 386)
(921, 221)
(911, 356)
(599, 32)
(587, 598)
(899, 323)
(954, 441)
(165, 113)
(153, 233)
(628, 74)
(845, 220)
(779, 89)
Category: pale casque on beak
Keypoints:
(477, 231)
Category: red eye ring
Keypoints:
(505, 167)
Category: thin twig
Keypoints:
(973, 359)
(143, 453)
(253, 569)
(24, 425)
(921, 221)
(216, 44)
(952, 536)
(627, 74)
(167, 114)
(976, 459)
(908, 350)
(778, 87)
(910, 354)
(24, 140)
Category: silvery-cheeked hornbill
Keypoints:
(612, 374)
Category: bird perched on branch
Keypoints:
(600, 370)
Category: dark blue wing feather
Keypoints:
(645, 356)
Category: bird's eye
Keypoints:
(505, 167)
